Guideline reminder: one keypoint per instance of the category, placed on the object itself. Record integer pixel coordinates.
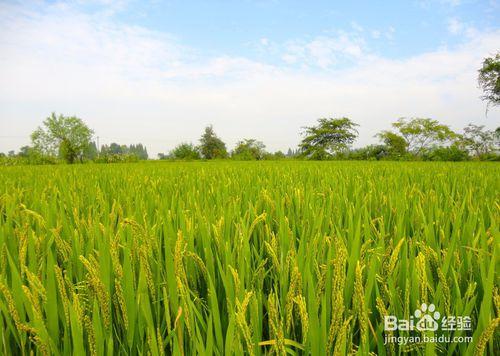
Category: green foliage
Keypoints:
(211, 146)
(116, 158)
(477, 140)
(450, 153)
(248, 150)
(276, 156)
(396, 145)
(421, 134)
(292, 153)
(493, 157)
(234, 258)
(370, 153)
(26, 155)
(114, 148)
(67, 137)
(138, 150)
(489, 79)
(31, 157)
(279, 155)
(330, 137)
(91, 152)
(185, 151)
(415, 139)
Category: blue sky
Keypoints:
(392, 28)
(158, 71)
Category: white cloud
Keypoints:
(455, 26)
(135, 85)
(356, 27)
(389, 34)
(375, 34)
(428, 4)
(452, 3)
(325, 51)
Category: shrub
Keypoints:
(185, 151)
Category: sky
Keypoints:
(158, 72)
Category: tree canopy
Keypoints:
(137, 150)
(489, 80)
(477, 140)
(68, 138)
(421, 133)
(65, 136)
(329, 137)
(212, 146)
(249, 149)
(396, 144)
(185, 151)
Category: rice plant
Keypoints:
(246, 258)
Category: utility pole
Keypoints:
(98, 147)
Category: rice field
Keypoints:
(233, 258)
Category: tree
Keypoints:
(329, 137)
(396, 144)
(66, 136)
(477, 140)
(31, 155)
(450, 153)
(293, 153)
(420, 133)
(138, 150)
(115, 149)
(186, 151)
(25, 151)
(249, 149)
(142, 151)
(489, 80)
(370, 152)
(277, 155)
(91, 152)
(212, 146)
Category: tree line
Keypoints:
(332, 138)
(69, 139)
